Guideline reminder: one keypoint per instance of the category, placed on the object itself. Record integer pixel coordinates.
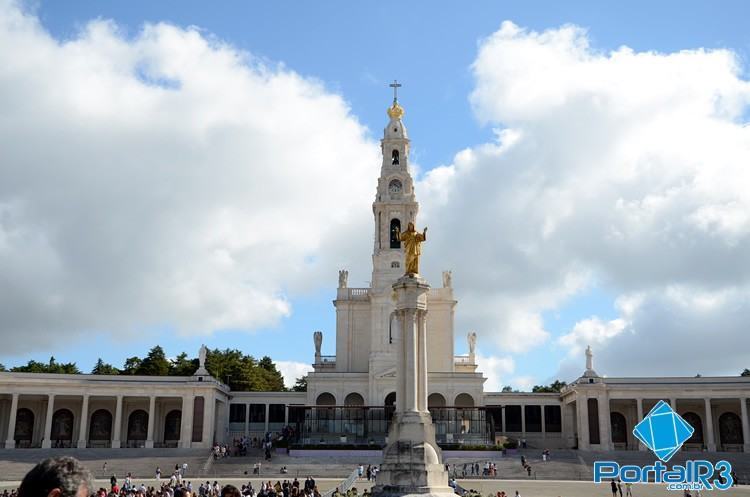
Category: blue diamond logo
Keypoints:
(663, 431)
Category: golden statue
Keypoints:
(412, 247)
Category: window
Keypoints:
(395, 231)
(394, 158)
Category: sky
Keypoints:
(179, 173)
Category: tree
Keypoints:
(300, 385)
(182, 366)
(242, 372)
(2, 368)
(103, 368)
(155, 363)
(507, 389)
(553, 387)
(746, 372)
(51, 367)
(131, 365)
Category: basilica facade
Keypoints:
(351, 395)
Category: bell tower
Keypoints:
(395, 204)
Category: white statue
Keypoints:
(202, 357)
(447, 279)
(343, 278)
(472, 338)
(589, 359)
(318, 340)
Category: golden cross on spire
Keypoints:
(395, 85)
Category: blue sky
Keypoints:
(354, 49)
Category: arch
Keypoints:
(619, 428)
(695, 421)
(137, 425)
(435, 400)
(395, 230)
(354, 399)
(172, 424)
(62, 425)
(325, 399)
(464, 400)
(100, 427)
(390, 400)
(24, 425)
(394, 157)
(730, 428)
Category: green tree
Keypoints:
(131, 366)
(507, 389)
(746, 372)
(300, 385)
(182, 366)
(2, 368)
(553, 387)
(103, 368)
(51, 367)
(155, 363)
(242, 372)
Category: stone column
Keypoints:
(209, 404)
(502, 418)
(605, 424)
(523, 421)
(412, 460)
(82, 435)
(46, 441)
(117, 428)
(745, 425)
(247, 419)
(411, 363)
(639, 408)
(544, 428)
(151, 422)
(422, 358)
(708, 427)
(186, 430)
(673, 404)
(582, 404)
(286, 415)
(268, 413)
(10, 442)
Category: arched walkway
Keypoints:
(137, 425)
(354, 399)
(172, 423)
(390, 399)
(62, 428)
(730, 428)
(100, 429)
(619, 428)
(435, 400)
(695, 421)
(24, 427)
(326, 399)
(464, 400)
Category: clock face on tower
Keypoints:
(395, 186)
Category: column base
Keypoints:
(115, 444)
(746, 448)
(641, 447)
(10, 444)
(412, 463)
(711, 447)
(149, 444)
(47, 444)
(81, 444)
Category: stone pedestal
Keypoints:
(412, 461)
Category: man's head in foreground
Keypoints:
(57, 477)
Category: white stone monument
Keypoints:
(412, 461)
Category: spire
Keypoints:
(395, 111)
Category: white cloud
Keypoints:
(496, 370)
(624, 170)
(166, 179)
(291, 370)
